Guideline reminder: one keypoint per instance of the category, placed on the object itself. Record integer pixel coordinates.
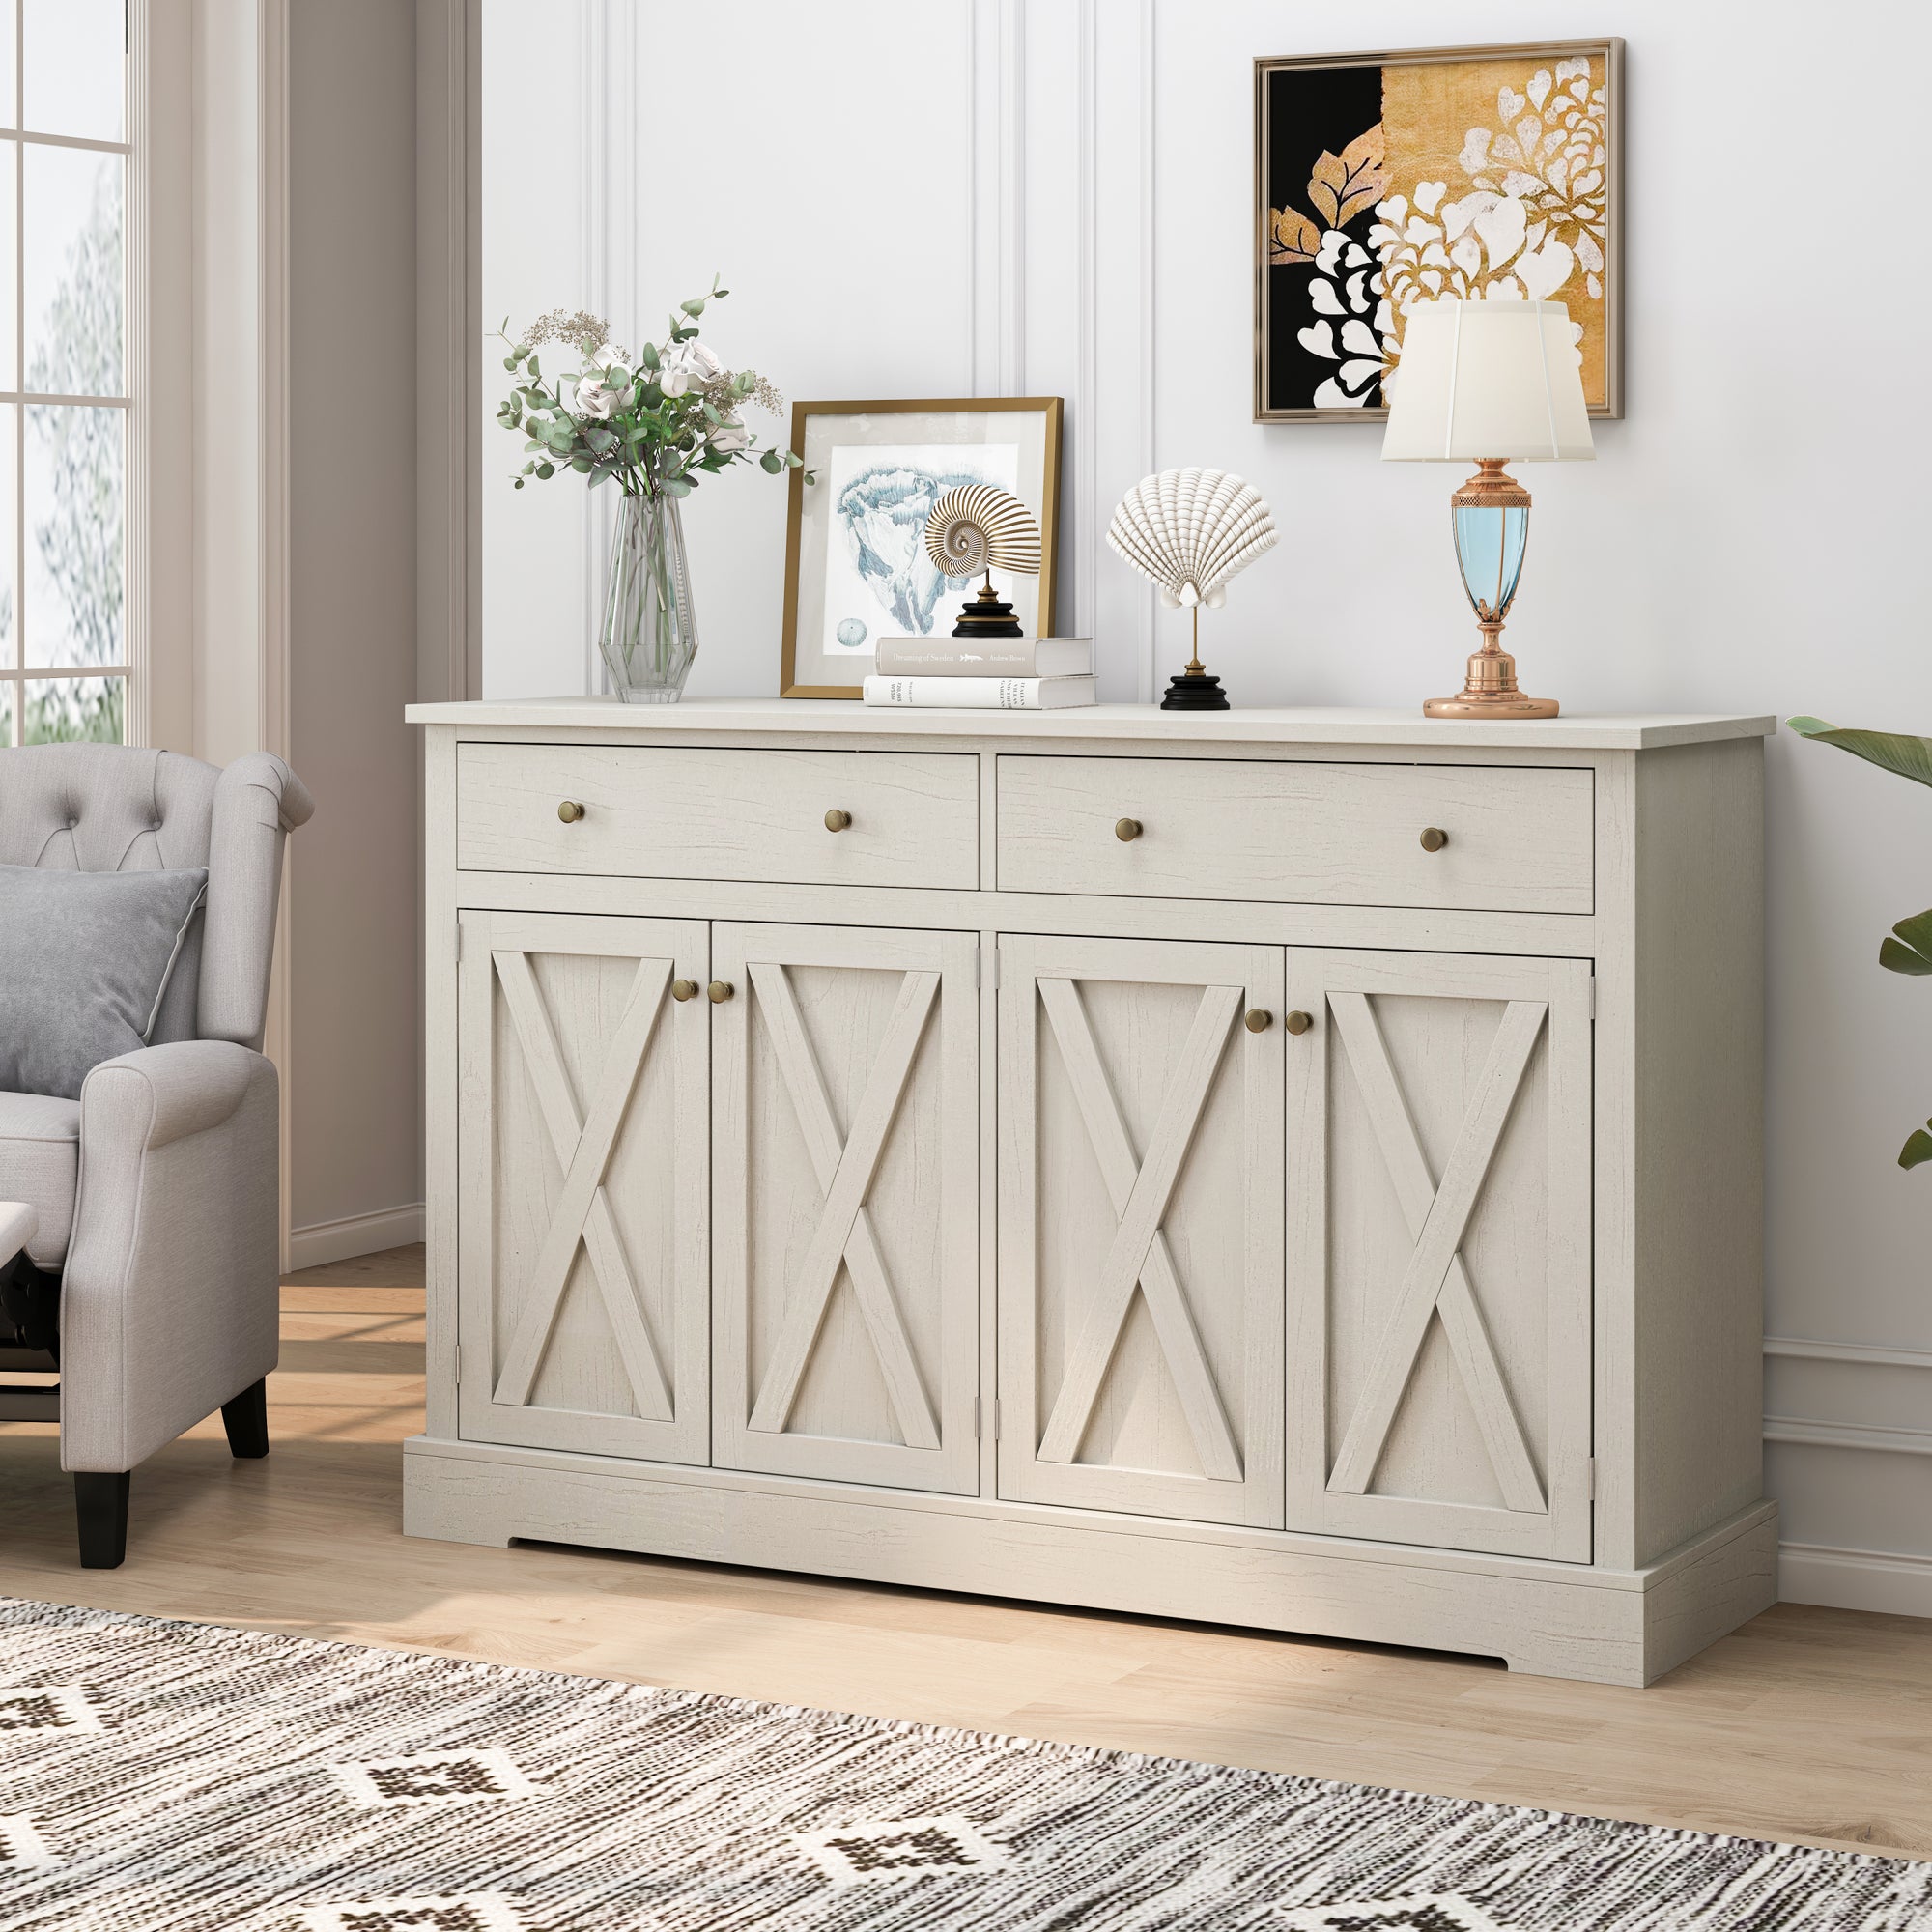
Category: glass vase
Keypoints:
(649, 634)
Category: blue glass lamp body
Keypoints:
(1489, 543)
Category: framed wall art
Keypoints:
(856, 567)
(1385, 180)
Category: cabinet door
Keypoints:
(845, 1151)
(1140, 1228)
(1439, 1142)
(582, 1246)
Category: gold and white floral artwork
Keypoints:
(1478, 179)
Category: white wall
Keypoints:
(1053, 196)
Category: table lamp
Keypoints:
(1489, 383)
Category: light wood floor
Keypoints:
(1809, 1724)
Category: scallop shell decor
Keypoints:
(1190, 531)
(975, 527)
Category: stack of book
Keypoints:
(984, 673)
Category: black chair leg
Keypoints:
(247, 1421)
(101, 1501)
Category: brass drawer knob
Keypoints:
(836, 821)
(684, 989)
(1298, 1022)
(1433, 838)
(570, 811)
(1126, 829)
(1259, 1019)
(721, 991)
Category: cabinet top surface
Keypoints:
(1128, 724)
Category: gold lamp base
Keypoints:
(1489, 691)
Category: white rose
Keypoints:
(687, 366)
(593, 398)
(728, 436)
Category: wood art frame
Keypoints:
(808, 669)
(1352, 175)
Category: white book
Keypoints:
(985, 657)
(982, 694)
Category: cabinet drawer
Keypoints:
(1519, 839)
(702, 813)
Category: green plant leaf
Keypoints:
(692, 307)
(1911, 950)
(676, 486)
(647, 357)
(546, 470)
(510, 363)
(771, 463)
(1918, 1147)
(1891, 751)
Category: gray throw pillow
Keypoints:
(84, 960)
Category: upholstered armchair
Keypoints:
(156, 1193)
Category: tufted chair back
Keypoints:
(125, 809)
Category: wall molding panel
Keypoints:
(1865, 1354)
(1847, 1435)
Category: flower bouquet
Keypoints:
(655, 425)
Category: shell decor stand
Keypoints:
(975, 527)
(1189, 531)
(1195, 689)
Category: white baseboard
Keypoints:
(1855, 1580)
(326, 1241)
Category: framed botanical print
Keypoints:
(1482, 173)
(856, 567)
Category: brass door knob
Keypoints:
(1259, 1019)
(684, 989)
(570, 811)
(1126, 829)
(1433, 838)
(721, 991)
(836, 821)
(1298, 1022)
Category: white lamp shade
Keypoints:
(1488, 378)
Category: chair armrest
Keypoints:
(168, 1298)
(159, 1093)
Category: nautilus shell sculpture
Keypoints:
(1190, 531)
(975, 527)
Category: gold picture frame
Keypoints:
(816, 663)
(1442, 93)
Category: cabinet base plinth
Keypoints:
(1548, 1619)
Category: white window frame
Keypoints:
(16, 677)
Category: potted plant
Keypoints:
(654, 424)
(1908, 946)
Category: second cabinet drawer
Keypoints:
(720, 813)
(1518, 839)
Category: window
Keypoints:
(64, 160)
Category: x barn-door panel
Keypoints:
(845, 1148)
(1438, 1203)
(1140, 1228)
(584, 1217)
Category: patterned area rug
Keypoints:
(173, 1777)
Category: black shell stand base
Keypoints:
(1195, 691)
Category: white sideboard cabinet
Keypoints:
(1297, 1169)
